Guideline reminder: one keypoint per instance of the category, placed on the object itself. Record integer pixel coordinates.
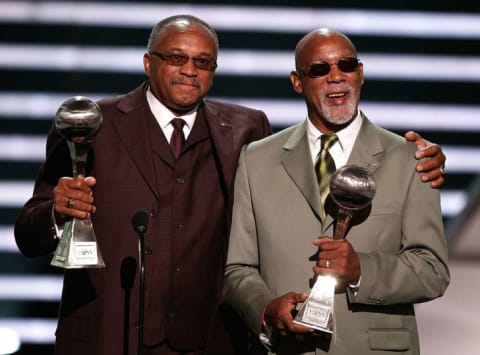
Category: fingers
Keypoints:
(434, 152)
(278, 313)
(337, 258)
(329, 254)
(90, 181)
(413, 136)
(435, 177)
(433, 169)
(73, 197)
(327, 243)
(297, 328)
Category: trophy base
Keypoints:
(78, 248)
(317, 311)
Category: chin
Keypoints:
(339, 117)
(183, 108)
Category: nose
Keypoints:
(335, 75)
(189, 69)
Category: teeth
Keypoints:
(336, 95)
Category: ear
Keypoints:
(360, 70)
(147, 60)
(296, 82)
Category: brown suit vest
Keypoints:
(187, 254)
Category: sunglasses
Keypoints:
(202, 63)
(317, 70)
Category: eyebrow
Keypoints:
(206, 54)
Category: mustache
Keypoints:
(186, 82)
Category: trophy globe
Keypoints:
(352, 188)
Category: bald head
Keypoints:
(181, 23)
(314, 36)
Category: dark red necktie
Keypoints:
(178, 138)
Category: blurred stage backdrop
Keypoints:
(422, 69)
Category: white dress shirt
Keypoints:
(164, 116)
(341, 149)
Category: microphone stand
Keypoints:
(127, 278)
(141, 306)
(140, 223)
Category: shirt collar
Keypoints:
(346, 136)
(163, 115)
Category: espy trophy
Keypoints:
(352, 188)
(78, 120)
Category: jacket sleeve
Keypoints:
(244, 289)
(416, 270)
(34, 228)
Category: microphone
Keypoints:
(140, 224)
(140, 221)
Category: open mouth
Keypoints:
(337, 95)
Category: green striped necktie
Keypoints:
(325, 167)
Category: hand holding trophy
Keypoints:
(352, 188)
(78, 120)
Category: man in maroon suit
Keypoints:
(189, 197)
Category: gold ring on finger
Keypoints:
(70, 202)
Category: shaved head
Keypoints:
(315, 34)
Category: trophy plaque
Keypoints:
(78, 120)
(352, 188)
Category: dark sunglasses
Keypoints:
(316, 70)
(179, 59)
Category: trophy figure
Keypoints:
(78, 120)
(352, 188)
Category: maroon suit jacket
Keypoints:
(92, 305)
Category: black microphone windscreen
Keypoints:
(127, 272)
(140, 221)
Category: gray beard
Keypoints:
(340, 115)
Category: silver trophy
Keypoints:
(352, 188)
(78, 120)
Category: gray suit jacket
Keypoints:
(401, 246)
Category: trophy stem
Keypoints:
(78, 154)
(343, 221)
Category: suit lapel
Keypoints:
(220, 129)
(367, 150)
(299, 167)
(133, 131)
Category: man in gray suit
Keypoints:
(394, 258)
